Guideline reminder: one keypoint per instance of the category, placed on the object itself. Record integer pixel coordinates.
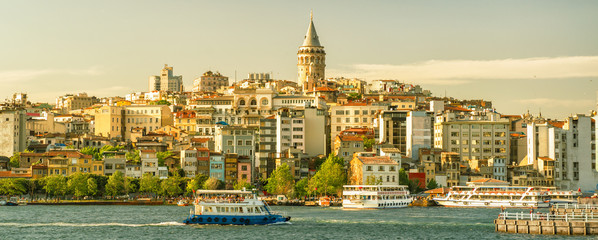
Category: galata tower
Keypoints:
(311, 59)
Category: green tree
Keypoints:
(432, 184)
(133, 156)
(162, 156)
(170, 187)
(91, 151)
(92, 187)
(116, 184)
(149, 184)
(239, 185)
(211, 184)
(403, 177)
(280, 181)
(161, 102)
(77, 184)
(354, 96)
(131, 185)
(301, 187)
(55, 185)
(196, 183)
(10, 186)
(15, 160)
(368, 143)
(330, 178)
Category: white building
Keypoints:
(149, 162)
(189, 162)
(166, 81)
(13, 132)
(379, 170)
(499, 168)
(352, 115)
(419, 132)
(478, 135)
(303, 129)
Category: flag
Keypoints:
(579, 189)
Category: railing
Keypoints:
(574, 206)
(569, 217)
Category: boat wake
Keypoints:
(281, 223)
(63, 224)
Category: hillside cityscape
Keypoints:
(297, 137)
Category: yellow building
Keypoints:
(58, 165)
(118, 121)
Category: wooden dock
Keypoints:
(561, 220)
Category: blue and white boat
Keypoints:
(236, 207)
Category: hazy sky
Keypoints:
(536, 55)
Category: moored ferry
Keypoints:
(236, 207)
(562, 196)
(375, 196)
(494, 196)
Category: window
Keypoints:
(454, 134)
(248, 143)
(365, 120)
(368, 168)
(244, 168)
(264, 101)
(364, 112)
(340, 112)
(239, 142)
(381, 168)
(356, 112)
(229, 142)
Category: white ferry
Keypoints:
(236, 207)
(562, 196)
(375, 196)
(494, 196)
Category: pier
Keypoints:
(561, 220)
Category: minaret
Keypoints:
(311, 59)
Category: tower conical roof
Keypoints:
(311, 37)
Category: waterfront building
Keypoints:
(244, 169)
(210, 82)
(452, 168)
(266, 151)
(345, 146)
(133, 170)
(392, 128)
(115, 161)
(189, 162)
(311, 60)
(163, 172)
(352, 115)
(419, 129)
(217, 166)
(13, 132)
(149, 162)
(379, 170)
(296, 161)
(231, 171)
(302, 128)
(478, 135)
(166, 81)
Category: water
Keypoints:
(164, 222)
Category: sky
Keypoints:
(536, 56)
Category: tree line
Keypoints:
(85, 185)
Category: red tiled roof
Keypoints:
(546, 159)
(558, 124)
(350, 138)
(458, 109)
(148, 150)
(200, 140)
(355, 104)
(518, 135)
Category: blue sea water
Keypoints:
(164, 222)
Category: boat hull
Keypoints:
(491, 204)
(370, 204)
(236, 219)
